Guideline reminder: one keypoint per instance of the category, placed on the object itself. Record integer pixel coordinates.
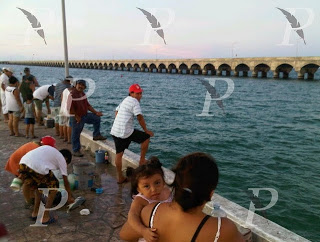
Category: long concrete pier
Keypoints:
(280, 67)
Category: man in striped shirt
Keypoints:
(123, 131)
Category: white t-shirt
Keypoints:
(66, 103)
(123, 124)
(44, 159)
(42, 92)
(4, 79)
(11, 102)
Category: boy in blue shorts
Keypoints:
(29, 117)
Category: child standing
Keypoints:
(29, 118)
(147, 186)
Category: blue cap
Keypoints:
(83, 82)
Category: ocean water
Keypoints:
(267, 137)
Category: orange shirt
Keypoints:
(13, 163)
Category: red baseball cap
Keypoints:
(48, 140)
(135, 88)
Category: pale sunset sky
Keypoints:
(109, 29)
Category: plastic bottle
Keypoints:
(217, 211)
(106, 157)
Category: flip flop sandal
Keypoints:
(50, 221)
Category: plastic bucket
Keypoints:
(84, 173)
(100, 156)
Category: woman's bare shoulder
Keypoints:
(229, 231)
(146, 213)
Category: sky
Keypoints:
(117, 29)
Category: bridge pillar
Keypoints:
(183, 71)
(210, 72)
(275, 74)
(263, 74)
(173, 71)
(218, 73)
(254, 74)
(300, 75)
(310, 76)
(204, 72)
(285, 75)
(235, 73)
(228, 73)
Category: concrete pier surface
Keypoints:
(108, 210)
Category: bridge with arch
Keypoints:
(276, 67)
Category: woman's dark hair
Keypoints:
(196, 177)
(13, 80)
(29, 96)
(152, 167)
(67, 155)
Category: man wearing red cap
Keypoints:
(123, 131)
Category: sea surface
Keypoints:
(267, 136)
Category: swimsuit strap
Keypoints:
(153, 213)
(204, 220)
(218, 231)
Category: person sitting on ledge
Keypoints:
(79, 108)
(183, 220)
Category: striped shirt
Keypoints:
(123, 123)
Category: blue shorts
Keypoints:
(29, 121)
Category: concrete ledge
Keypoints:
(262, 229)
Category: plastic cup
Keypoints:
(85, 211)
(16, 184)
